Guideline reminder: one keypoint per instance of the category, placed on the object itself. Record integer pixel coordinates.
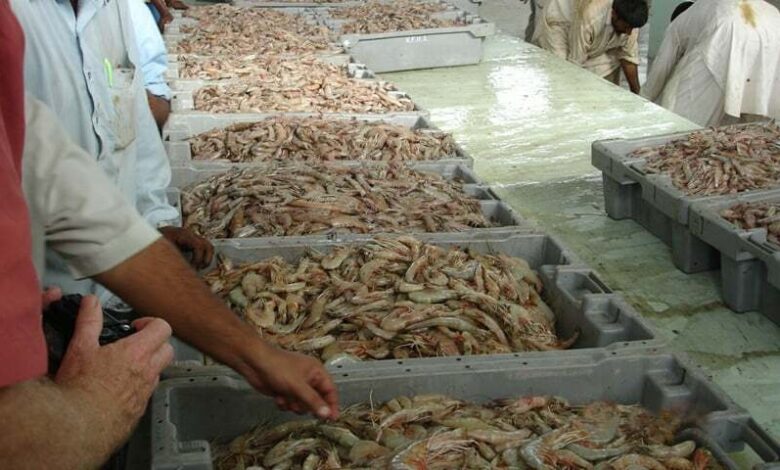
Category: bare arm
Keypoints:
(161, 109)
(157, 282)
(39, 411)
(165, 14)
(631, 70)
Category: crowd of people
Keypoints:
(83, 201)
(719, 62)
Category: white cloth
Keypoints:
(65, 68)
(720, 58)
(581, 31)
(151, 49)
(74, 209)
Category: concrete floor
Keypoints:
(528, 120)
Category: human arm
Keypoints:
(102, 237)
(157, 282)
(92, 405)
(160, 107)
(152, 60)
(153, 171)
(165, 14)
(178, 5)
(631, 71)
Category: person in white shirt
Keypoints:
(719, 63)
(153, 61)
(599, 35)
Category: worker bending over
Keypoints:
(719, 63)
(599, 35)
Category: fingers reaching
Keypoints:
(89, 323)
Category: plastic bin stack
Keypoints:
(700, 239)
(616, 356)
(411, 49)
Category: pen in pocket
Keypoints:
(109, 72)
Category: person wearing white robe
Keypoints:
(719, 63)
(598, 35)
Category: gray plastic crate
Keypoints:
(184, 126)
(579, 298)
(189, 413)
(499, 212)
(417, 49)
(184, 102)
(469, 6)
(353, 70)
(172, 72)
(183, 176)
(652, 200)
(750, 265)
(284, 5)
(627, 201)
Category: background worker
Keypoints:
(599, 35)
(719, 63)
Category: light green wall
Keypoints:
(660, 12)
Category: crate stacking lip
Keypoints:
(190, 412)
(181, 127)
(580, 300)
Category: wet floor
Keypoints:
(528, 120)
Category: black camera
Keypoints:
(59, 323)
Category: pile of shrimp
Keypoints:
(306, 199)
(722, 160)
(392, 298)
(439, 432)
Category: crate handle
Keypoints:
(761, 442)
(599, 283)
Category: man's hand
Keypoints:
(297, 383)
(158, 282)
(115, 380)
(178, 5)
(201, 249)
(50, 295)
(165, 18)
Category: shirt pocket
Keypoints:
(122, 91)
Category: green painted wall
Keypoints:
(660, 12)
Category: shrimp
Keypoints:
(630, 461)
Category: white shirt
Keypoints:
(151, 49)
(581, 31)
(74, 209)
(66, 68)
(84, 69)
(720, 57)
